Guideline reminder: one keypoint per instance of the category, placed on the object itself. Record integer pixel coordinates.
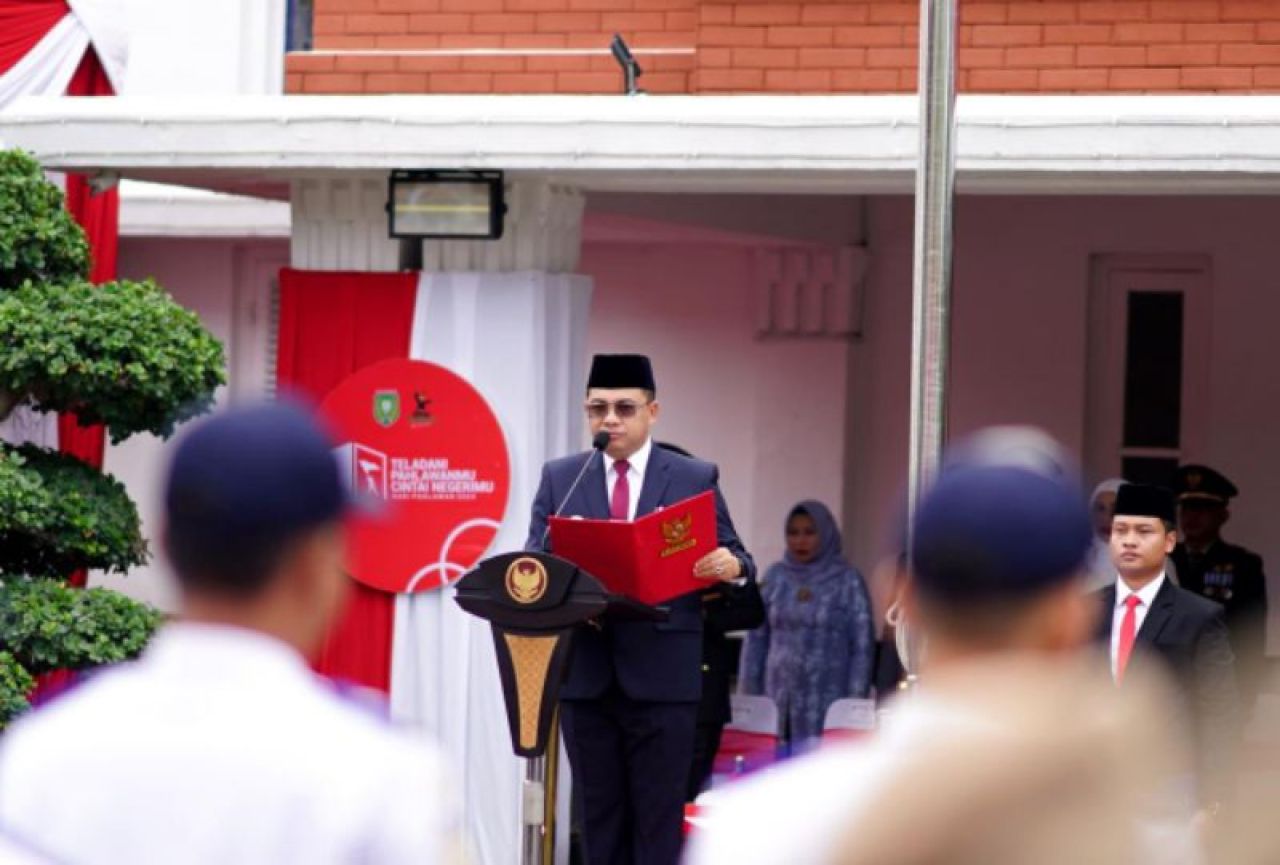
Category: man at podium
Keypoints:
(629, 703)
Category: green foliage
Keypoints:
(123, 354)
(39, 241)
(58, 515)
(15, 684)
(48, 626)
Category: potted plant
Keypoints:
(122, 354)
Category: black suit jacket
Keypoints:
(1185, 635)
(725, 608)
(653, 662)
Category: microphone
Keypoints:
(599, 442)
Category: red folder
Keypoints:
(650, 559)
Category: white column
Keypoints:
(543, 233)
(340, 223)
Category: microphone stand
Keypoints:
(538, 793)
(598, 443)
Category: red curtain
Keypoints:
(99, 216)
(23, 23)
(332, 324)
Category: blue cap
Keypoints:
(987, 532)
(263, 471)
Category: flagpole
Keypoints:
(931, 278)
(931, 271)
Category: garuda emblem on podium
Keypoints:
(526, 580)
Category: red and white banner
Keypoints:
(517, 342)
(44, 42)
(425, 442)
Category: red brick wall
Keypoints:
(441, 27)
(717, 46)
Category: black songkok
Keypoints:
(1145, 500)
(615, 371)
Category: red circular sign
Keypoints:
(423, 440)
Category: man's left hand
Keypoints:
(719, 564)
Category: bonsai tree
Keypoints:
(122, 354)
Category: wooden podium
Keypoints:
(533, 602)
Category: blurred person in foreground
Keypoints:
(997, 566)
(219, 744)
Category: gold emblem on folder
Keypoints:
(675, 532)
(526, 580)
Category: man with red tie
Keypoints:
(1147, 619)
(629, 704)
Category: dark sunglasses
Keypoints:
(625, 409)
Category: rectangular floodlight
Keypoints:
(460, 205)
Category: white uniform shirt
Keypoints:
(637, 463)
(798, 813)
(220, 746)
(1146, 595)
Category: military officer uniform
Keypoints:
(1226, 573)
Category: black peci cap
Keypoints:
(1145, 500)
(621, 370)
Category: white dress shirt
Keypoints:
(1146, 595)
(219, 745)
(638, 462)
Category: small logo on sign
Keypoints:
(675, 532)
(386, 407)
(420, 415)
(526, 580)
(370, 471)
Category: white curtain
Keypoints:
(107, 23)
(47, 68)
(25, 425)
(520, 340)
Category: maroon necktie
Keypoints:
(620, 504)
